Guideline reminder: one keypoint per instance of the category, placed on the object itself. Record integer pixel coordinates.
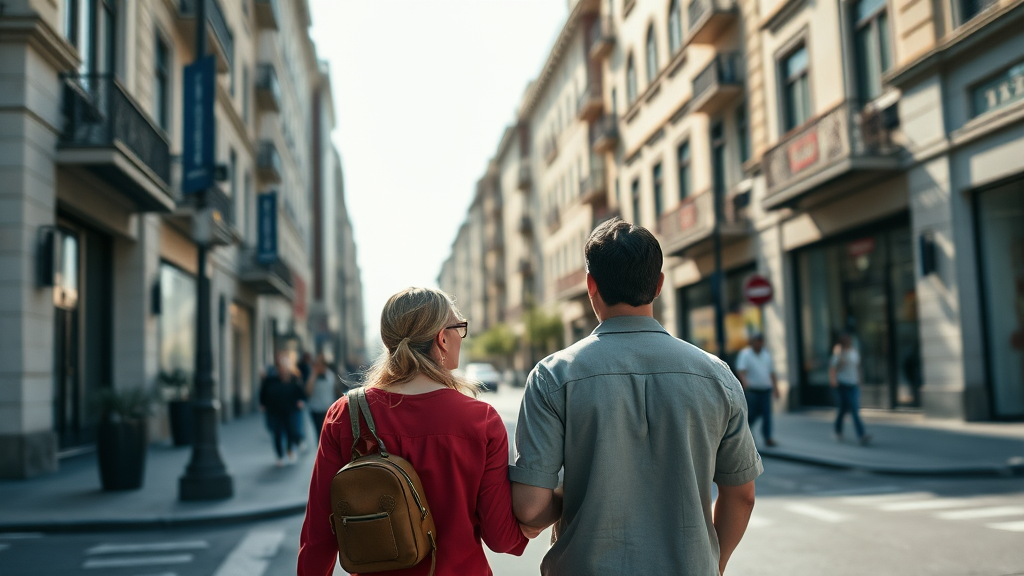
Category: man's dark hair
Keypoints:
(625, 261)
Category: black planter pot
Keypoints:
(121, 447)
(180, 414)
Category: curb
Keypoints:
(987, 471)
(154, 523)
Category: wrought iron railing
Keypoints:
(251, 268)
(605, 129)
(218, 22)
(840, 133)
(591, 97)
(550, 149)
(694, 218)
(699, 10)
(268, 158)
(525, 225)
(270, 7)
(99, 112)
(594, 182)
(215, 198)
(525, 176)
(525, 267)
(725, 68)
(572, 281)
(266, 79)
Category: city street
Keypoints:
(808, 521)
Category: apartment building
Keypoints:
(98, 238)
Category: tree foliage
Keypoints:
(497, 342)
(543, 330)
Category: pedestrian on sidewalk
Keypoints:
(844, 375)
(322, 389)
(757, 376)
(280, 398)
(642, 424)
(457, 444)
(298, 422)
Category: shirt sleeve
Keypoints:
(741, 360)
(499, 528)
(737, 461)
(318, 546)
(540, 434)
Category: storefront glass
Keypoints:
(863, 284)
(177, 321)
(697, 321)
(1002, 257)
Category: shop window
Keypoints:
(697, 317)
(796, 90)
(872, 47)
(177, 320)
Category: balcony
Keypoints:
(525, 226)
(605, 134)
(107, 132)
(602, 39)
(590, 106)
(603, 214)
(708, 19)
(268, 163)
(267, 16)
(693, 221)
(525, 177)
(836, 152)
(268, 89)
(550, 149)
(719, 84)
(495, 243)
(554, 219)
(222, 224)
(593, 187)
(219, 35)
(274, 279)
(496, 276)
(526, 267)
(571, 285)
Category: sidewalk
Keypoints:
(902, 444)
(72, 500)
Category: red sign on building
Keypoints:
(758, 290)
(802, 152)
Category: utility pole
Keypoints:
(718, 193)
(206, 477)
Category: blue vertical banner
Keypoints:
(198, 154)
(266, 242)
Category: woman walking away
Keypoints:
(457, 444)
(280, 397)
(322, 391)
(844, 376)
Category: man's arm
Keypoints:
(535, 507)
(742, 375)
(731, 514)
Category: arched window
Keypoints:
(675, 27)
(652, 55)
(630, 80)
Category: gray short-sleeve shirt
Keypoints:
(642, 423)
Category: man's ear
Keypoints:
(661, 282)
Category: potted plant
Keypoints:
(121, 441)
(179, 407)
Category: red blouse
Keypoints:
(459, 447)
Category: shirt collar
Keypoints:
(626, 324)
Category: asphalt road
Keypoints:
(808, 521)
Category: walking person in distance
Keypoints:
(845, 376)
(458, 445)
(757, 375)
(322, 391)
(280, 398)
(642, 424)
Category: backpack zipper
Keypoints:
(364, 518)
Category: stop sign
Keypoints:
(758, 290)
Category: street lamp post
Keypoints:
(206, 477)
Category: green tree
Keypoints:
(543, 331)
(498, 343)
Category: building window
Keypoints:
(245, 95)
(71, 19)
(796, 95)
(245, 219)
(233, 168)
(675, 27)
(743, 133)
(873, 49)
(177, 325)
(163, 84)
(683, 157)
(636, 202)
(652, 55)
(659, 187)
(630, 80)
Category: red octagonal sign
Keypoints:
(758, 290)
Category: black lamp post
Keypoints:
(206, 477)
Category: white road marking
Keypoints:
(871, 500)
(252, 555)
(151, 547)
(20, 535)
(867, 490)
(1010, 526)
(137, 561)
(759, 522)
(937, 504)
(816, 512)
(981, 513)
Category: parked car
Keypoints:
(484, 373)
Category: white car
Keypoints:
(485, 374)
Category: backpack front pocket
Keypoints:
(369, 538)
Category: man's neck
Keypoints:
(620, 310)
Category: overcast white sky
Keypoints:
(423, 90)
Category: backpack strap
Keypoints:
(353, 414)
(361, 398)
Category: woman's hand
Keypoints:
(529, 531)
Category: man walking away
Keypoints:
(643, 424)
(757, 375)
(844, 375)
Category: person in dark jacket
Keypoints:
(281, 396)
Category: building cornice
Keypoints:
(36, 32)
(537, 87)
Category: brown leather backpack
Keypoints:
(379, 510)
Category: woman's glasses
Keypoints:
(462, 327)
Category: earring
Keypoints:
(443, 358)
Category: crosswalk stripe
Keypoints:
(137, 561)
(252, 556)
(1010, 526)
(150, 547)
(873, 499)
(865, 491)
(937, 504)
(816, 512)
(982, 513)
(758, 522)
